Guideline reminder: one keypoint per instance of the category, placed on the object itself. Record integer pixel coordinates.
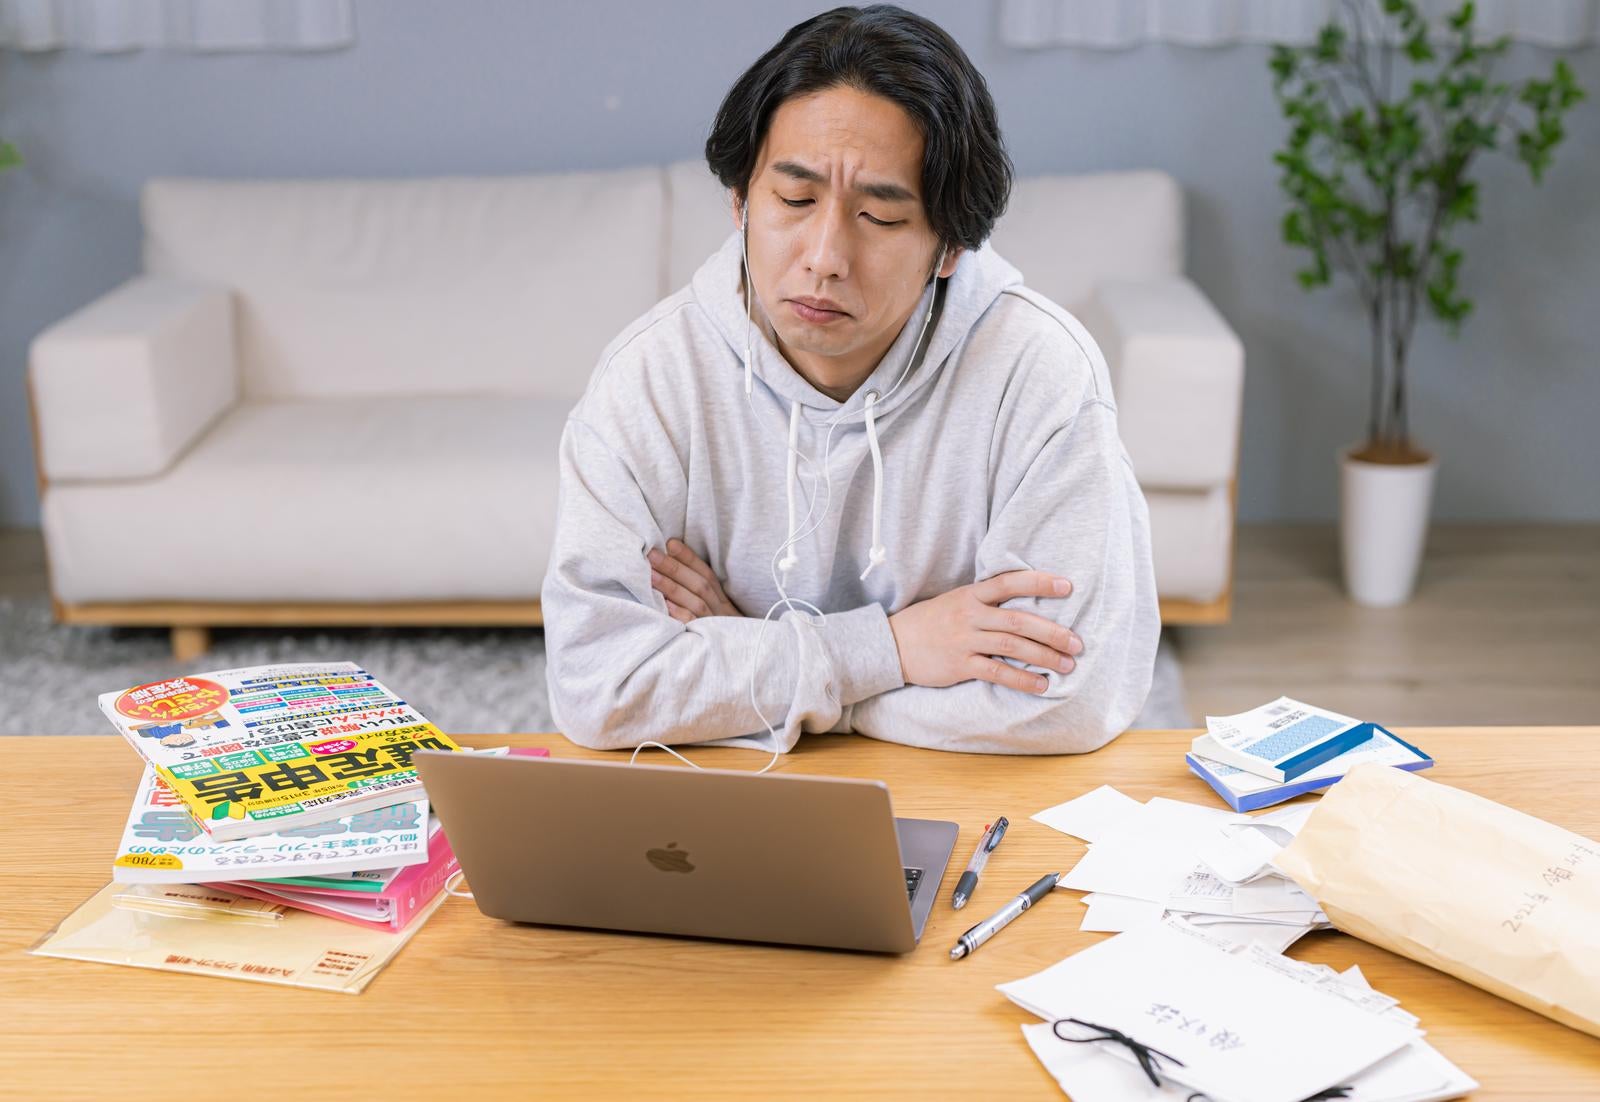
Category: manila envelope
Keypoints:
(1463, 884)
(200, 928)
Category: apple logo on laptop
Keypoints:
(671, 859)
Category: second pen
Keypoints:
(968, 883)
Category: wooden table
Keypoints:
(477, 1008)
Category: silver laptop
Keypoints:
(795, 860)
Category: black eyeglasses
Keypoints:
(1150, 1058)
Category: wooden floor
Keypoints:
(1504, 629)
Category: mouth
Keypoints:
(818, 311)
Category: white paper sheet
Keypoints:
(1112, 914)
(1132, 865)
(1202, 892)
(1168, 817)
(1417, 1073)
(1238, 854)
(1288, 819)
(1270, 936)
(1163, 856)
(1092, 816)
(1272, 895)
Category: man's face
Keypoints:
(839, 246)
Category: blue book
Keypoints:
(1279, 741)
(1245, 791)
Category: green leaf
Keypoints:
(1294, 231)
(9, 157)
(1330, 43)
(1283, 64)
(1463, 204)
(1405, 13)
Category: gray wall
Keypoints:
(493, 86)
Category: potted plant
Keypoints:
(1387, 113)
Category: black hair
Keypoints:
(885, 51)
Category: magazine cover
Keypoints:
(253, 751)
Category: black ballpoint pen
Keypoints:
(998, 921)
(969, 879)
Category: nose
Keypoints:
(827, 243)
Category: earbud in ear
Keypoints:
(744, 216)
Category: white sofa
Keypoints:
(339, 401)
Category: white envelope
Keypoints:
(1243, 1032)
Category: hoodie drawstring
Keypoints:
(877, 555)
(789, 557)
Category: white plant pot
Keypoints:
(1383, 525)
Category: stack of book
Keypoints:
(282, 792)
(1283, 749)
(292, 784)
(378, 867)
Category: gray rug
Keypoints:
(468, 681)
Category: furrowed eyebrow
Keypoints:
(889, 193)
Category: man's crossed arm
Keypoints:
(957, 636)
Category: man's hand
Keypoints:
(688, 584)
(961, 635)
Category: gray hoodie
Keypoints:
(999, 451)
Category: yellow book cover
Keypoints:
(259, 749)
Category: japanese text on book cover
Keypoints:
(247, 749)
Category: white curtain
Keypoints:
(108, 26)
(1119, 24)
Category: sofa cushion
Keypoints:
(398, 499)
(1178, 373)
(124, 385)
(699, 220)
(333, 499)
(507, 285)
(1191, 541)
(1066, 234)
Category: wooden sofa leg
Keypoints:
(190, 641)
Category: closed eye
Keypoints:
(864, 214)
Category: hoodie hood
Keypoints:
(946, 311)
(958, 302)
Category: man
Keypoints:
(857, 419)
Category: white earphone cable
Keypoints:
(783, 558)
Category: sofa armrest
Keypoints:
(1178, 372)
(123, 386)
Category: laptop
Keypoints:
(795, 860)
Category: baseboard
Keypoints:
(1176, 611)
(218, 615)
(424, 613)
